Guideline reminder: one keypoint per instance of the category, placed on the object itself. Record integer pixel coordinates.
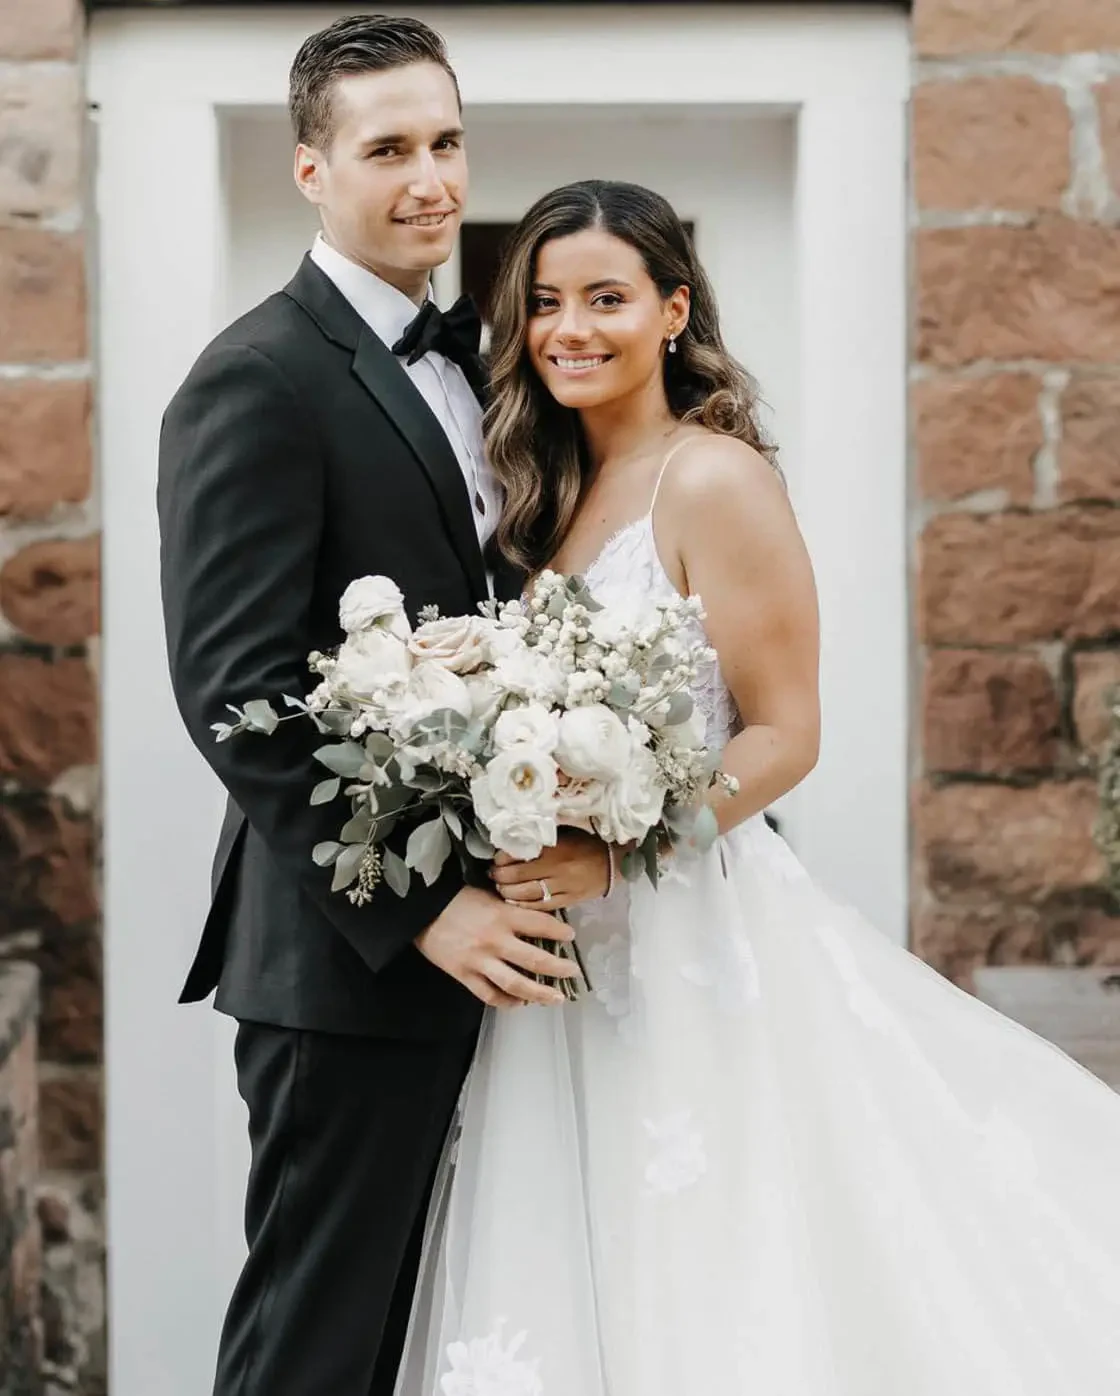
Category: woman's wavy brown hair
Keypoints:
(536, 447)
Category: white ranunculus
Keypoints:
(369, 661)
(373, 601)
(459, 643)
(515, 799)
(593, 744)
(692, 734)
(487, 696)
(633, 802)
(579, 802)
(430, 688)
(533, 725)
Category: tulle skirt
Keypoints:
(771, 1153)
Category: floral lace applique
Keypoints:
(608, 968)
(484, 1367)
(730, 971)
(679, 1157)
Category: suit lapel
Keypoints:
(379, 372)
(384, 378)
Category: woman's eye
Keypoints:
(608, 300)
(541, 303)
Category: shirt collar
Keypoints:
(387, 311)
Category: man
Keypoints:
(302, 452)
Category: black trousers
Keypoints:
(346, 1133)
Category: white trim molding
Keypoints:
(163, 84)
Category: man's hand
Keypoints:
(483, 943)
(576, 870)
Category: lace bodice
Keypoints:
(629, 566)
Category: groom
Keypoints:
(334, 432)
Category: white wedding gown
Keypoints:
(772, 1154)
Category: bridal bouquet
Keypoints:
(493, 731)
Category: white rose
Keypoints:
(579, 802)
(370, 601)
(593, 743)
(532, 676)
(369, 661)
(533, 725)
(515, 799)
(691, 735)
(430, 688)
(486, 695)
(633, 802)
(458, 643)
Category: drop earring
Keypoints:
(672, 344)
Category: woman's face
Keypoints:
(597, 325)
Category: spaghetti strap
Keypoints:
(664, 466)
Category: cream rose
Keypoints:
(458, 643)
(373, 601)
(515, 799)
(486, 695)
(369, 662)
(593, 743)
(633, 802)
(580, 802)
(430, 688)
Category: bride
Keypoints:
(770, 1152)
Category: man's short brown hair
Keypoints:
(357, 44)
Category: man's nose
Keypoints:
(426, 182)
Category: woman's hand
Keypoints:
(576, 870)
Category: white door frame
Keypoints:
(160, 82)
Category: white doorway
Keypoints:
(780, 132)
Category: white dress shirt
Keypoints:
(388, 312)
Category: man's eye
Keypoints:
(449, 143)
(383, 150)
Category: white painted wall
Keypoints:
(801, 109)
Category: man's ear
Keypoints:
(309, 162)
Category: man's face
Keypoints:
(390, 187)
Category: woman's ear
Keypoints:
(676, 310)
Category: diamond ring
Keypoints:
(546, 895)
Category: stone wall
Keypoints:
(1016, 442)
(20, 1248)
(48, 620)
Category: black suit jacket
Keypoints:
(296, 456)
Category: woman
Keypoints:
(771, 1152)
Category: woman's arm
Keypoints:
(725, 526)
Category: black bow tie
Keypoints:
(454, 333)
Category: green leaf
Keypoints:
(395, 871)
(478, 846)
(446, 724)
(325, 853)
(261, 715)
(297, 703)
(452, 820)
(325, 791)
(347, 865)
(633, 865)
(705, 830)
(428, 780)
(379, 745)
(357, 829)
(680, 709)
(428, 847)
(222, 730)
(343, 758)
(648, 851)
(337, 721)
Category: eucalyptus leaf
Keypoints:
(297, 703)
(222, 731)
(661, 665)
(680, 709)
(623, 693)
(633, 865)
(477, 845)
(648, 850)
(378, 745)
(343, 758)
(705, 829)
(337, 721)
(324, 854)
(261, 715)
(395, 871)
(428, 847)
(357, 829)
(452, 820)
(346, 866)
(428, 780)
(325, 791)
